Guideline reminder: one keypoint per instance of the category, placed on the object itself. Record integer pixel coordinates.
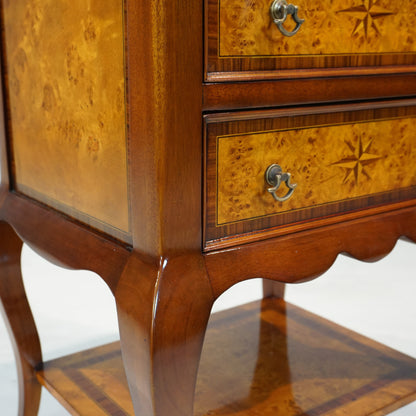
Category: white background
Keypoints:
(75, 310)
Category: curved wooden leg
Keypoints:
(273, 289)
(19, 321)
(163, 312)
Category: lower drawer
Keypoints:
(344, 158)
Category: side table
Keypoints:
(178, 148)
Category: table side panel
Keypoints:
(66, 88)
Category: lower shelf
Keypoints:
(266, 358)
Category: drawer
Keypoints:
(343, 159)
(242, 40)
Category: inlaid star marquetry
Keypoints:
(355, 164)
(366, 15)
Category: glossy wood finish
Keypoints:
(140, 291)
(4, 165)
(159, 140)
(19, 321)
(365, 28)
(163, 311)
(283, 258)
(163, 283)
(262, 358)
(90, 383)
(342, 159)
(328, 163)
(165, 66)
(272, 358)
(79, 249)
(66, 113)
(242, 38)
(304, 88)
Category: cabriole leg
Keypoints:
(19, 321)
(163, 312)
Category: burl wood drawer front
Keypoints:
(342, 160)
(241, 37)
(66, 89)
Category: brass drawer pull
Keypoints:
(274, 177)
(279, 11)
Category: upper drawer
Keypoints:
(242, 40)
(344, 159)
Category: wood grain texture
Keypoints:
(364, 27)
(328, 164)
(305, 255)
(66, 90)
(261, 358)
(64, 242)
(163, 312)
(243, 37)
(19, 321)
(163, 144)
(272, 358)
(341, 162)
(4, 164)
(88, 383)
(165, 72)
(164, 286)
(298, 89)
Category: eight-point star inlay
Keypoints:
(366, 13)
(356, 163)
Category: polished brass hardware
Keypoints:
(279, 11)
(274, 176)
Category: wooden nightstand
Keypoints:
(178, 148)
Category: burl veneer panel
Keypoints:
(67, 104)
(266, 358)
(338, 167)
(340, 33)
(331, 27)
(328, 163)
(273, 358)
(90, 383)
